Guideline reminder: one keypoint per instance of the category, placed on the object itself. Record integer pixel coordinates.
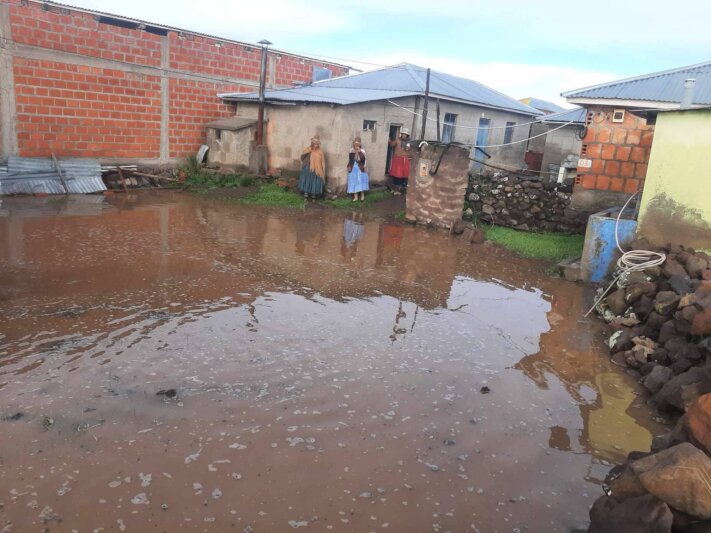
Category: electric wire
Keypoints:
(633, 260)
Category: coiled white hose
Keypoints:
(630, 261)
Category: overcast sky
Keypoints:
(519, 47)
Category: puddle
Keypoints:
(180, 363)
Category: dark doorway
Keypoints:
(392, 135)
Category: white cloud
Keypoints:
(515, 80)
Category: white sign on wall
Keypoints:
(584, 163)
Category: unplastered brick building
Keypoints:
(614, 154)
(76, 82)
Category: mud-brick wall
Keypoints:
(524, 204)
(79, 83)
(437, 199)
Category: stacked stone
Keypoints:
(524, 204)
(662, 318)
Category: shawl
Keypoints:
(356, 157)
(317, 160)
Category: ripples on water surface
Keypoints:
(328, 369)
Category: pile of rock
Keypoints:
(662, 322)
(668, 489)
(662, 318)
(524, 204)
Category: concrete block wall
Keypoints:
(75, 84)
(619, 154)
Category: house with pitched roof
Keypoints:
(615, 152)
(376, 106)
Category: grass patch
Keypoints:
(399, 215)
(552, 247)
(270, 194)
(371, 198)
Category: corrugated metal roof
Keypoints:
(231, 123)
(392, 82)
(576, 116)
(31, 175)
(542, 105)
(665, 86)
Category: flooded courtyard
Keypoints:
(170, 363)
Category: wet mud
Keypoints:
(176, 363)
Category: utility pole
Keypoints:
(262, 83)
(424, 110)
(439, 136)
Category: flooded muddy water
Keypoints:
(171, 363)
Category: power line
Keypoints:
(464, 125)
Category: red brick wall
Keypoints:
(91, 89)
(73, 110)
(619, 152)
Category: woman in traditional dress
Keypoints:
(400, 163)
(357, 176)
(313, 169)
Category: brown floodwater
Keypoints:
(329, 371)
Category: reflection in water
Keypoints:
(328, 373)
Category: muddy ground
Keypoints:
(169, 363)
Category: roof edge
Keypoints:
(62, 5)
(635, 78)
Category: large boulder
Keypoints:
(701, 324)
(617, 302)
(645, 514)
(679, 476)
(666, 302)
(656, 379)
(670, 395)
(699, 422)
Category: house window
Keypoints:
(450, 122)
(618, 115)
(508, 132)
(218, 134)
(369, 125)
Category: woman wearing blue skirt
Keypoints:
(313, 170)
(357, 176)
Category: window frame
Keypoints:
(367, 123)
(509, 132)
(449, 127)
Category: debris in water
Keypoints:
(296, 524)
(140, 499)
(168, 393)
(13, 418)
(485, 390)
(216, 494)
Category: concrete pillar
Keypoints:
(164, 99)
(271, 72)
(8, 109)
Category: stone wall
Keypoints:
(523, 204)
(438, 199)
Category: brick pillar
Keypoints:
(438, 199)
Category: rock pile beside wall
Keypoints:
(524, 204)
(662, 322)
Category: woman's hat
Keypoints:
(356, 140)
(316, 139)
(405, 131)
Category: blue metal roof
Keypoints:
(665, 86)
(576, 116)
(542, 105)
(392, 82)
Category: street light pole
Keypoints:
(262, 82)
